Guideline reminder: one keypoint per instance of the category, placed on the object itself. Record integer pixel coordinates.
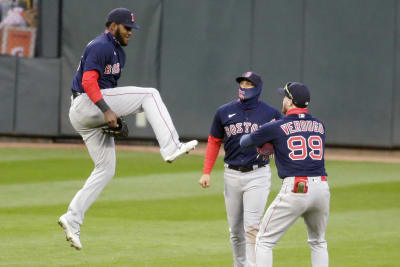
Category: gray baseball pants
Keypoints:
(246, 194)
(87, 120)
(287, 207)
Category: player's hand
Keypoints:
(205, 180)
(110, 118)
(265, 151)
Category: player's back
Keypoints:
(299, 142)
(299, 146)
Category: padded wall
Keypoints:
(8, 73)
(38, 90)
(205, 46)
(396, 81)
(278, 45)
(345, 50)
(349, 57)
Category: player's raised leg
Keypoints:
(131, 99)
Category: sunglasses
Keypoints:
(287, 90)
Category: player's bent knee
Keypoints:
(266, 245)
(317, 244)
(251, 233)
(237, 239)
(153, 91)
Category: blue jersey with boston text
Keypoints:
(106, 56)
(232, 121)
(299, 142)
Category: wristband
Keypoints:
(102, 105)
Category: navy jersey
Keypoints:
(299, 142)
(106, 56)
(232, 121)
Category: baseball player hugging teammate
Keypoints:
(97, 101)
(299, 141)
(246, 176)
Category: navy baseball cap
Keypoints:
(298, 92)
(250, 76)
(123, 16)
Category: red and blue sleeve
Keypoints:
(213, 144)
(212, 150)
(91, 86)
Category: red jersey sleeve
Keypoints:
(213, 146)
(91, 86)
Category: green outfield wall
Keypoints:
(346, 51)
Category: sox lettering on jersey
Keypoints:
(239, 128)
(114, 69)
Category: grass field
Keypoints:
(155, 214)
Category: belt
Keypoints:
(323, 178)
(245, 168)
(75, 94)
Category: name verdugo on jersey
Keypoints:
(288, 128)
(302, 126)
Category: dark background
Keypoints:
(346, 51)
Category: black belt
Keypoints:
(245, 168)
(75, 94)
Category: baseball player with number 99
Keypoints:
(299, 141)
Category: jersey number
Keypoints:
(298, 147)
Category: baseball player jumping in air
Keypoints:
(97, 101)
(247, 178)
(298, 140)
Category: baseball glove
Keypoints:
(265, 151)
(120, 131)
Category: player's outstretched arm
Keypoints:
(205, 181)
(246, 141)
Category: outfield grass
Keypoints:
(155, 214)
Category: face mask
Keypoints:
(249, 93)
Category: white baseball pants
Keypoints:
(246, 194)
(287, 207)
(87, 120)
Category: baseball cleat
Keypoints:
(184, 148)
(71, 233)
